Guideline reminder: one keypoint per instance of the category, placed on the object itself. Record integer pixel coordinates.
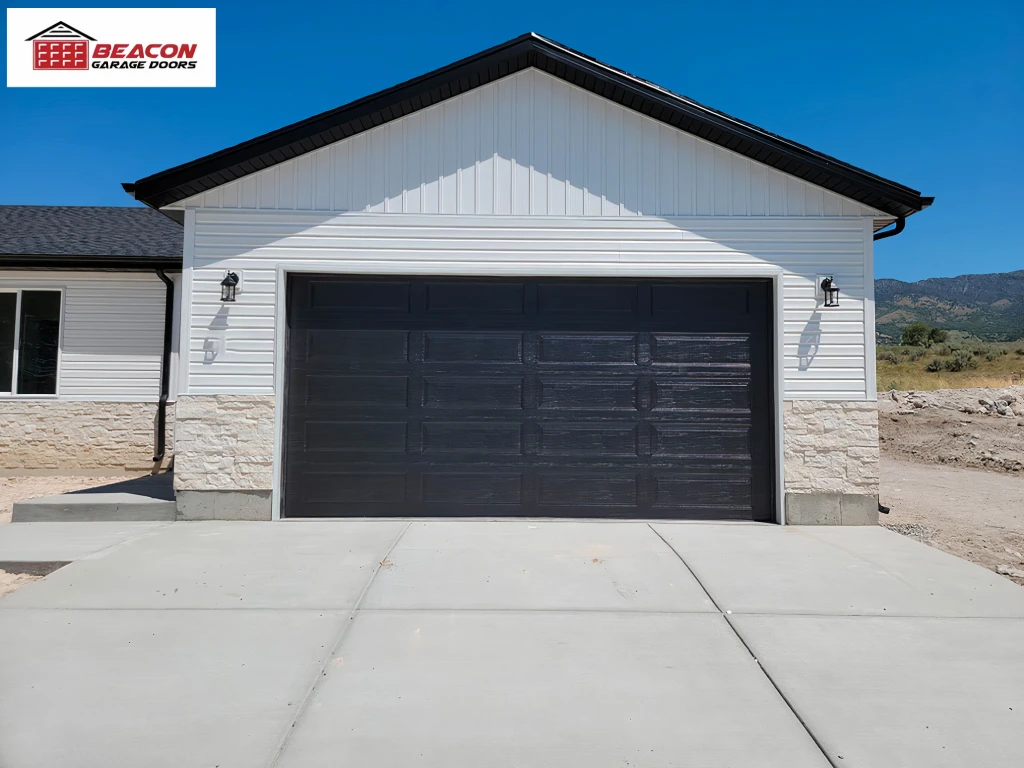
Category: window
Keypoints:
(29, 341)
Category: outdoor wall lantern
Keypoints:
(831, 291)
(228, 286)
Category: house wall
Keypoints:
(529, 145)
(104, 413)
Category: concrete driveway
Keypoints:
(522, 643)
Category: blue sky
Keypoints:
(930, 96)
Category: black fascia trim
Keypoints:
(639, 95)
(92, 263)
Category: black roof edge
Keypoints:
(529, 50)
(92, 263)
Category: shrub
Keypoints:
(916, 334)
(937, 335)
(1019, 351)
(991, 356)
(916, 355)
(961, 361)
(889, 357)
(934, 366)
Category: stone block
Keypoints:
(224, 505)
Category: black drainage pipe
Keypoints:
(901, 224)
(165, 369)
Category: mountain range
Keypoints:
(988, 306)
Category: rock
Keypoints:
(1014, 553)
(1006, 570)
(1002, 410)
(893, 396)
(986, 402)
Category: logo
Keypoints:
(132, 47)
(60, 46)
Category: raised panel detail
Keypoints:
(359, 296)
(391, 391)
(699, 300)
(709, 491)
(472, 393)
(362, 436)
(442, 347)
(358, 347)
(472, 438)
(593, 440)
(699, 395)
(700, 440)
(699, 349)
(590, 298)
(582, 489)
(354, 487)
(588, 394)
(483, 298)
(587, 348)
(472, 488)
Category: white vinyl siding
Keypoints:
(529, 144)
(231, 346)
(111, 332)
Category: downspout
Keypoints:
(165, 369)
(901, 223)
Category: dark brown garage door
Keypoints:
(541, 397)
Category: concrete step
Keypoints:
(140, 499)
(92, 507)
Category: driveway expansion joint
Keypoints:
(322, 671)
(725, 615)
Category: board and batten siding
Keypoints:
(529, 144)
(232, 346)
(112, 329)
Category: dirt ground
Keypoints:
(980, 428)
(952, 472)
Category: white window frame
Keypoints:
(12, 395)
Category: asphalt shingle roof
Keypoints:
(73, 232)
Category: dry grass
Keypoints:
(1005, 368)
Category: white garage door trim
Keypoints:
(535, 269)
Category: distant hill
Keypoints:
(988, 306)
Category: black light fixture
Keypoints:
(228, 286)
(831, 291)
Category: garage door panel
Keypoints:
(354, 348)
(364, 437)
(587, 349)
(606, 489)
(703, 349)
(359, 296)
(477, 348)
(586, 439)
(379, 391)
(547, 397)
(575, 393)
(498, 488)
(587, 298)
(675, 395)
(479, 298)
(472, 392)
(473, 438)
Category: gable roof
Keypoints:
(71, 237)
(530, 50)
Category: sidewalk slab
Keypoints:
(538, 565)
(65, 541)
(907, 692)
(214, 564)
(162, 689)
(841, 571)
(471, 688)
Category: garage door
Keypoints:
(541, 397)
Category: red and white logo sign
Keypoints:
(134, 47)
(60, 46)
